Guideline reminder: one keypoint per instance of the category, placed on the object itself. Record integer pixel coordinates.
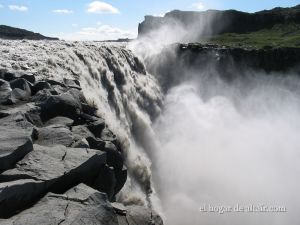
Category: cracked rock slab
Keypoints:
(79, 206)
(15, 139)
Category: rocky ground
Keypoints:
(59, 162)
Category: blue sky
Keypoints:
(108, 19)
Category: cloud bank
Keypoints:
(101, 7)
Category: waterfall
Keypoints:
(113, 79)
(201, 143)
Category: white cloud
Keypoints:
(99, 32)
(101, 7)
(19, 8)
(63, 11)
(199, 6)
(1, 6)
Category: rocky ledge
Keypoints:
(59, 162)
(228, 62)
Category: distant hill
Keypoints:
(7, 32)
(267, 27)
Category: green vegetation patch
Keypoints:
(280, 35)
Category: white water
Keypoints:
(224, 145)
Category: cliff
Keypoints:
(203, 25)
(12, 33)
(225, 62)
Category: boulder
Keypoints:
(41, 85)
(80, 205)
(81, 131)
(106, 174)
(114, 157)
(15, 96)
(55, 135)
(19, 194)
(97, 127)
(16, 140)
(22, 84)
(30, 110)
(61, 167)
(29, 77)
(62, 105)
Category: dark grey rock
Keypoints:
(16, 95)
(7, 75)
(81, 131)
(15, 139)
(22, 84)
(30, 110)
(62, 105)
(64, 167)
(114, 157)
(29, 77)
(41, 85)
(81, 205)
(106, 174)
(60, 120)
(19, 194)
(121, 177)
(55, 135)
(97, 127)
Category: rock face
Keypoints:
(229, 21)
(189, 59)
(7, 32)
(59, 162)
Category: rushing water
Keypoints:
(206, 143)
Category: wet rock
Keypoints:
(72, 83)
(97, 127)
(114, 157)
(121, 177)
(41, 85)
(106, 182)
(62, 105)
(22, 84)
(29, 77)
(16, 140)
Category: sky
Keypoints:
(108, 19)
